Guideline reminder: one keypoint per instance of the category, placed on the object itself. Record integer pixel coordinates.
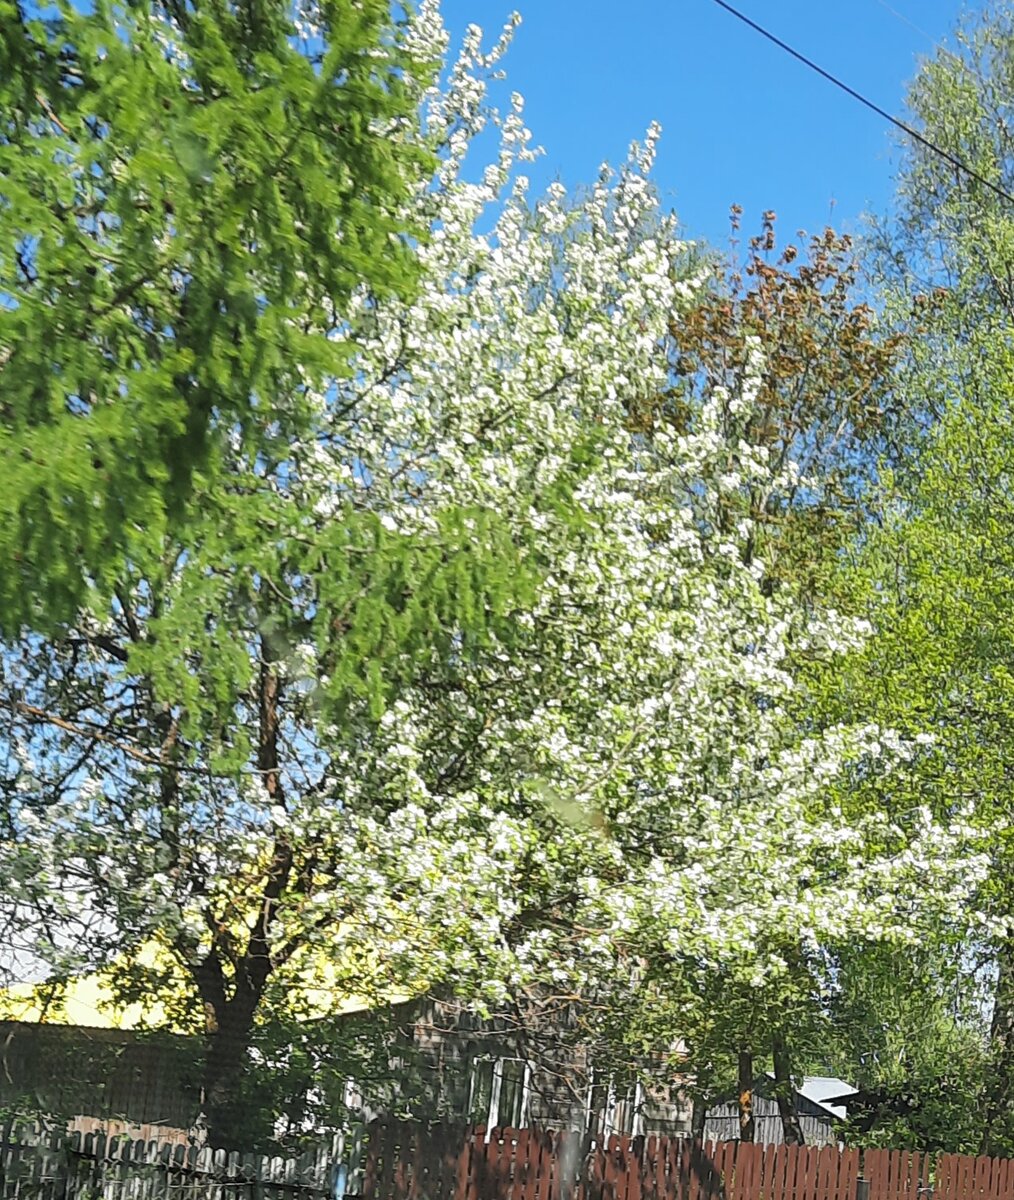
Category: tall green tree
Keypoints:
(905, 1028)
(937, 563)
(191, 193)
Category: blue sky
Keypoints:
(742, 122)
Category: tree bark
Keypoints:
(698, 1117)
(785, 1093)
(231, 998)
(996, 1092)
(225, 1060)
(745, 1096)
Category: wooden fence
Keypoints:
(38, 1163)
(405, 1162)
(415, 1162)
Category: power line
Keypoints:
(905, 20)
(912, 133)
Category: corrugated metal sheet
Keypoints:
(722, 1124)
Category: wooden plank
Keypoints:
(1004, 1178)
(547, 1165)
(599, 1168)
(699, 1155)
(638, 1177)
(435, 1144)
(623, 1166)
(680, 1164)
(792, 1173)
(821, 1172)
(540, 1187)
(416, 1162)
(914, 1175)
(964, 1175)
(761, 1169)
(522, 1162)
(854, 1172)
(743, 1166)
(721, 1164)
(849, 1176)
(825, 1171)
(397, 1150)
(719, 1159)
(890, 1177)
(765, 1168)
(646, 1181)
(1006, 1187)
(984, 1177)
(675, 1169)
(873, 1171)
(961, 1176)
(836, 1167)
(605, 1168)
(622, 1157)
(505, 1164)
(776, 1163)
(980, 1177)
(429, 1163)
(942, 1178)
(908, 1177)
(630, 1172)
(839, 1191)
(891, 1184)
(897, 1162)
(988, 1176)
(555, 1188)
(370, 1189)
(805, 1173)
(669, 1177)
(747, 1170)
(911, 1164)
(515, 1183)
(483, 1156)
(992, 1181)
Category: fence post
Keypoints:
(862, 1189)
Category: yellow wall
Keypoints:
(89, 1000)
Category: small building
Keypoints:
(818, 1103)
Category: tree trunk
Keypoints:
(230, 1005)
(745, 1096)
(996, 1092)
(226, 1045)
(699, 1117)
(785, 1093)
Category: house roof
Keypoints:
(823, 1089)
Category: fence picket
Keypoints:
(1003, 1178)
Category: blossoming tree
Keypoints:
(469, 685)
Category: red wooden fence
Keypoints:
(412, 1162)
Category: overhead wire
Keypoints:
(881, 112)
(905, 20)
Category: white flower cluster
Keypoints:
(633, 737)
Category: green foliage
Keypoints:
(906, 1029)
(934, 574)
(191, 193)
